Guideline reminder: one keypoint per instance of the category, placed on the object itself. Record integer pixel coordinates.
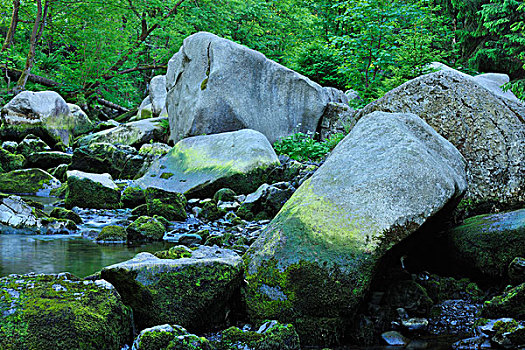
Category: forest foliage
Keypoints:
(89, 50)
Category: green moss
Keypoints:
(171, 206)
(11, 161)
(234, 336)
(210, 211)
(501, 327)
(145, 228)
(189, 342)
(176, 252)
(62, 213)
(27, 181)
(204, 83)
(225, 195)
(133, 196)
(46, 312)
(112, 233)
(85, 193)
(510, 304)
(166, 175)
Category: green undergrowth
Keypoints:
(303, 147)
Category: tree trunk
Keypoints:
(9, 39)
(20, 85)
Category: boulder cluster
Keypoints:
(413, 225)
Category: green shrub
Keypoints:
(303, 147)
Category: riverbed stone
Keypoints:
(28, 181)
(314, 262)
(133, 134)
(87, 190)
(266, 201)
(488, 243)
(201, 165)
(170, 205)
(192, 292)
(145, 228)
(10, 161)
(509, 304)
(112, 233)
(215, 85)
(63, 213)
(487, 127)
(61, 312)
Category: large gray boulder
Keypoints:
(201, 165)
(88, 190)
(215, 85)
(314, 263)
(193, 292)
(132, 134)
(16, 213)
(487, 127)
(45, 114)
(157, 94)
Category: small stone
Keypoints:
(395, 338)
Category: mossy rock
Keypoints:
(31, 144)
(210, 211)
(11, 161)
(112, 233)
(61, 312)
(167, 337)
(62, 213)
(28, 181)
(145, 228)
(176, 252)
(446, 288)
(272, 335)
(170, 205)
(510, 304)
(86, 190)
(47, 160)
(225, 195)
(133, 197)
(488, 243)
(192, 292)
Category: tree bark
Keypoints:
(20, 85)
(9, 39)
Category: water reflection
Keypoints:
(53, 254)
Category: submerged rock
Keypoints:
(314, 262)
(488, 243)
(61, 312)
(199, 166)
(215, 85)
(193, 292)
(88, 190)
(487, 127)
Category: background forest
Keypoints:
(101, 52)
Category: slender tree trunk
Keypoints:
(20, 85)
(9, 39)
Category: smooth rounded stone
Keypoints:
(86, 190)
(266, 201)
(517, 270)
(145, 228)
(224, 195)
(210, 211)
(157, 94)
(215, 85)
(44, 113)
(31, 144)
(112, 234)
(103, 157)
(10, 161)
(9, 146)
(486, 126)
(82, 123)
(415, 324)
(62, 213)
(61, 312)
(379, 185)
(509, 304)
(394, 338)
(133, 134)
(46, 160)
(17, 214)
(187, 239)
(193, 292)
(170, 205)
(28, 181)
(199, 166)
(489, 243)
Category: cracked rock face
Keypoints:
(16, 213)
(215, 85)
(488, 129)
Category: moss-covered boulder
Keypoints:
(224, 195)
(131, 134)
(170, 205)
(31, 144)
(210, 211)
(176, 252)
(47, 160)
(120, 161)
(112, 234)
(509, 304)
(87, 190)
(62, 213)
(272, 335)
(167, 337)
(313, 264)
(28, 181)
(133, 197)
(61, 312)
(10, 161)
(145, 228)
(199, 166)
(488, 243)
(193, 292)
